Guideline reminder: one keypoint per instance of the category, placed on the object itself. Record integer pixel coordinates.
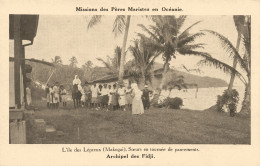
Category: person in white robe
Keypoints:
(137, 104)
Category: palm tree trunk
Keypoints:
(246, 105)
(122, 61)
(142, 79)
(231, 82)
(166, 67)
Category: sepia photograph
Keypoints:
(129, 79)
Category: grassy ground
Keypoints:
(156, 126)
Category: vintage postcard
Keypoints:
(130, 83)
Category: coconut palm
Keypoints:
(242, 60)
(88, 65)
(121, 24)
(73, 61)
(239, 21)
(113, 64)
(57, 60)
(168, 39)
(144, 58)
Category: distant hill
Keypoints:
(202, 82)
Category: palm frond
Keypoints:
(106, 64)
(94, 20)
(231, 50)
(183, 49)
(152, 35)
(210, 61)
(119, 24)
(150, 43)
(180, 20)
(188, 39)
(186, 31)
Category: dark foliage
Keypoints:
(229, 98)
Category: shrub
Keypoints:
(174, 103)
(229, 99)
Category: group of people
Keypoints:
(109, 97)
(102, 96)
(113, 97)
(54, 95)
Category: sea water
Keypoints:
(206, 97)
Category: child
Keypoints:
(56, 95)
(63, 96)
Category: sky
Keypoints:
(67, 36)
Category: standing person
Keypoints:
(51, 97)
(114, 101)
(99, 97)
(47, 91)
(137, 105)
(121, 97)
(63, 95)
(87, 91)
(76, 80)
(146, 97)
(83, 96)
(109, 97)
(105, 98)
(56, 96)
(128, 98)
(28, 94)
(94, 95)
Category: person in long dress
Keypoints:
(87, 91)
(28, 95)
(56, 97)
(83, 97)
(121, 97)
(94, 95)
(128, 98)
(105, 98)
(63, 96)
(114, 101)
(137, 104)
(51, 97)
(47, 91)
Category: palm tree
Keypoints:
(57, 60)
(144, 58)
(73, 61)
(88, 65)
(113, 64)
(121, 24)
(243, 61)
(165, 36)
(239, 22)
